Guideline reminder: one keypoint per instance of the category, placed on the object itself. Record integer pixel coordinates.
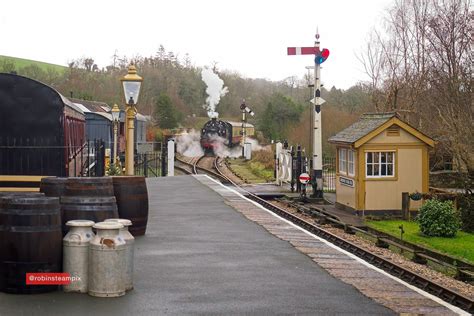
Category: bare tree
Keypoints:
(450, 39)
(422, 68)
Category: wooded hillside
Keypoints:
(174, 86)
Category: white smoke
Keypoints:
(255, 145)
(222, 150)
(215, 90)
(189, 144)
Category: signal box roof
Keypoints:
(370, 125)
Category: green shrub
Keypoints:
(438, 218)
(466, 208)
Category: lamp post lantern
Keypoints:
(115, 118)
(131, 84)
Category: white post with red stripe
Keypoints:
(317, 169)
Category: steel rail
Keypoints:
(194, 164)
(190, 165)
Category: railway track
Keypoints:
(185, 166)
(392, 268)
(203, 165)
(463, 270)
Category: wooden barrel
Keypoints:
(53, 186)
(21, 194)
(30, 241)
(94, 208)
(132, 202)
(89, 186)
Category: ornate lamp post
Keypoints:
(115, 118)
(131, 83)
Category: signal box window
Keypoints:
(343, 160)
(380, 164)
(346, 161)
(350, 162)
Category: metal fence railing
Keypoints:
(94, 165)
(150, 164)
(329, 174)
(43, 156)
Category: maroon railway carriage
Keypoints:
(42, 133)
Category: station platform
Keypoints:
(208, 250)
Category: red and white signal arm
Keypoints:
(304, 178)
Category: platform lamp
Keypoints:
(115, 118)
(131, 83)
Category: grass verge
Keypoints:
(251, 172)
(461, 246)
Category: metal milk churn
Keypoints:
(130, 241)
(107, 258)
(76, 254)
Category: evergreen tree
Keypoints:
(165, 114)
(281, 113)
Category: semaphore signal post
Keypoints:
(317, 101)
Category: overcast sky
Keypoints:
(247, 36)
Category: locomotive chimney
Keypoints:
(214, 119)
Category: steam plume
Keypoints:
(215, 90)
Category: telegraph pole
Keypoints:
(317, 168)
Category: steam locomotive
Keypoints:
(229, 133)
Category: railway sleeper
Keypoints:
(465, 275)
(321, 220)
(402, 274)
(421, 283)
(447, 296)
(379, 262)
(419, 258)
(348, 229)
(381, 243)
